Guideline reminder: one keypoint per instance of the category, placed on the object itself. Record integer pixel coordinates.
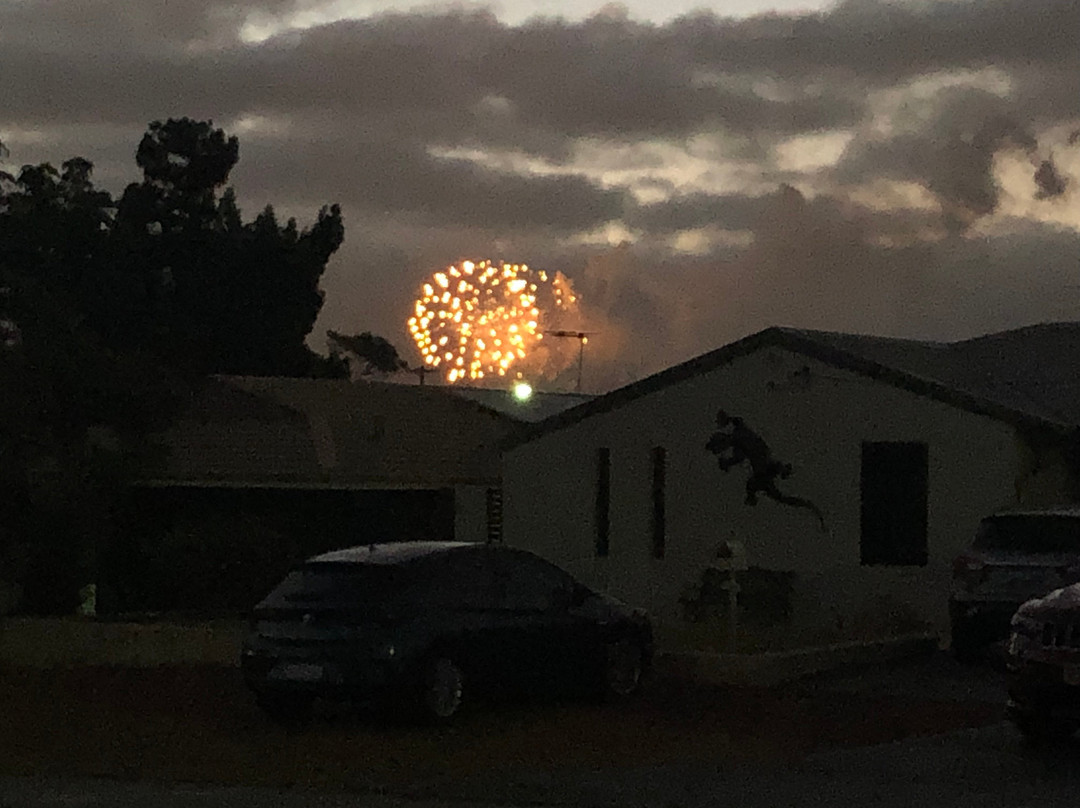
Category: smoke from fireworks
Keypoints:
(484, 319)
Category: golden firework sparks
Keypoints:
(477, 320)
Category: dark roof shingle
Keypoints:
(260, 431)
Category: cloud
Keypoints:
(951, 150)
(1049, 180)
(373, 177)
(904, 167)
(880, 42)
(813, 265)
(695, 210)
(107, 28)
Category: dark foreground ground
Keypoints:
(198, 724)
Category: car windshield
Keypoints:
(322, 585)
(1027, 534)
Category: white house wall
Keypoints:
(813, 416)
(470, 513)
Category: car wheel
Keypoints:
(291, 710)
(624, 667)
(443, 689)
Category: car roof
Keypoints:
(1072, 511)
(391, 552)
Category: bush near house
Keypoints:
(209, 562)
(217, 563)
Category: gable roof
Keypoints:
(330, 433)
(537, 407)
(1029, 377)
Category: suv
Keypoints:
(1016, 555)
(1044, 666)
(430, 625)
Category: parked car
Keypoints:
(1044, 666)
(1016, 555)
(430, 626)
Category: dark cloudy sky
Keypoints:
(906, 169)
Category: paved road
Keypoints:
(985, 767)
(79, 793)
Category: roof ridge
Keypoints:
(811, 343)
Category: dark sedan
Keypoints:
(433, 625)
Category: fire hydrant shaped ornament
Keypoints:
(731, 558)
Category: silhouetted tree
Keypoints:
(74, 411)
(104, 306)
(217, 295)
(376, 354)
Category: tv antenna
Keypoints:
(582, 337)
(421, 372)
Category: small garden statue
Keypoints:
(88, 601)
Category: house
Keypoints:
(850, 469)
(362, 458)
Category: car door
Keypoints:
(467, 616)
(542, 636)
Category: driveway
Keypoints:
(198, 725)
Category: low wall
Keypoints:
(37, 642)
(773, 667)
(48, 642)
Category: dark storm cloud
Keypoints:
(376, 177)
(618, 78)
(883, 42)
(691, 211)
(466, 79)
(814, 265)
(1049, 180)
(952, 154)
(756, 214)
(601, 77)
(106, 28)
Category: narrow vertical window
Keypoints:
(894, 504)
(659, 520)
(603, 500)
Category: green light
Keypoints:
(523, 391)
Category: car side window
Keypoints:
(532, 584)
(464, 582)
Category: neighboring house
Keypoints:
(899, 446)
(389, 461)
(535, 407)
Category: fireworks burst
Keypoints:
(485, 319)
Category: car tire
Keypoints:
(624, 669)
(287, 709)
(1041, 729)
(442, 689)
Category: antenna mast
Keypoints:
(582, 337)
